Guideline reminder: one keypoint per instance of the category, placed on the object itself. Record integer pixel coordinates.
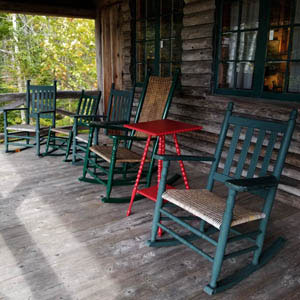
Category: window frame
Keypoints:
(157, 41)
(260, 56)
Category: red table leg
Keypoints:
(139, 175)
(181, 163)
(161, 150)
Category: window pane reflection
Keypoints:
(297, 13)
(278, 43)
(140, 72)
(244, 73)
(294, 78)
(150, 50)
(165, 50)
(140, 52)
(165, 27)
(296, 44)
(150, 32)
(230, 15)
(226, 75)
(250, 13)
(165, 69)
(274, 77)
(280, 12)
(228, 46)
(140, 30)
(247, 45)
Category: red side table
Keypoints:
(158, 128)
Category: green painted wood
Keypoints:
(128, 139)
(85, 112)
(232, 149)
(40, 103)
(256, 153)
(264, 186)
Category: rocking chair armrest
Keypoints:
(250, 184)
(44, 112)
(89, 116)
(12, 109)
(183, 157)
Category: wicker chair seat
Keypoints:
(123, 154)
(209, 206)
(25, 127)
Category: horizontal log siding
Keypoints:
(196, 104)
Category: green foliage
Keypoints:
(43, 49)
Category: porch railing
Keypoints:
(14, 100)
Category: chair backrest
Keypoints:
(120, 104)
(87, 106)
(40, 98)
(249, 147)
(156, 98)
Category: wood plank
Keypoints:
(58, 240)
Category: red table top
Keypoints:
(162, 127)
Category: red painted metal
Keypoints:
(159, 128)
(162, 127)
(186, 183)
(139, 175)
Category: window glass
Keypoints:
(158, 36)
(259, 48)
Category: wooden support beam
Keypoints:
(75, 9)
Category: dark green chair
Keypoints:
(252, 162)
(118, 112)
(60, 138)
(40, 104)
(117, 164)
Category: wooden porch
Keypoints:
(58, 241)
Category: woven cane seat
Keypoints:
(24, 127)
(123, 154)
(209, 207)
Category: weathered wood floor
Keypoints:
(58, 241)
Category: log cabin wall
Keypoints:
(196, 104)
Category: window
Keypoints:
(258, 48)
(157, 37)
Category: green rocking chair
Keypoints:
(252, 166)
(60, 138)
(40, 104)
(116, 164)
(118, 112)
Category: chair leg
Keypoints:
(74, 150)
(222, 242)
(159, 202)
(202, 225)
(111, 170)
(48, 141)
(263, 225)
(38, 143)
(6, 140)
(86, 162)
(69, 145)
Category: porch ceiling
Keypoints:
(61, 8)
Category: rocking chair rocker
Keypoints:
(255, 169)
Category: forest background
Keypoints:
(42, 49)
